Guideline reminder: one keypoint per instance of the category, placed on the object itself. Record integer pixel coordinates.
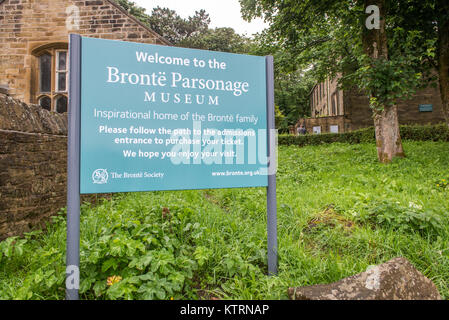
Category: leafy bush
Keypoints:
(125, 254)
(11, 246)
(358, 136)
(151, 253)
(411, 218)
(410, 132)
(438, 132)
(131, 248)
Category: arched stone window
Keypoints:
(45, 102)
(61, 104)
(50, 80)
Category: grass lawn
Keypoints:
(339, 211)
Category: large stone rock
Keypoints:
(396, 279)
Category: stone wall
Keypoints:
(26, 25)
(33, 157)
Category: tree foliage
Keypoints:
(191, 32)
(134, 10)
(293, 82)
(174, 28)
(167, 22)
(218, 39)
(328, 35)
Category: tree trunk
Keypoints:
(388, 138)
(443, 54)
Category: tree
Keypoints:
(174, 28)
(386, 124)
(292, 82)
(133, 9)
(279, 120)
(336, 38)
(218, 39)
(442, 7)
(429, 20)
(168, 23)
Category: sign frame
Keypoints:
(73, 170)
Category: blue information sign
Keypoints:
(425, 107)
(147, 117)
(165, 118)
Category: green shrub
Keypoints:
(438, 132)
(411, 218)
(11, 246)
(131, 253)
(358, 136)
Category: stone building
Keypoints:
(334, 110)
(33, 98)
(34, 43)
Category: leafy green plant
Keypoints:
(145, 253)
(411, 218)
(12, 246)
(202, 255)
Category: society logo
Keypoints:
(100, 176)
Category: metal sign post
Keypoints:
(271, 189)
(73, 171)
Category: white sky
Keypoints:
(223, 13)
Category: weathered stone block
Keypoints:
(396, 279)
